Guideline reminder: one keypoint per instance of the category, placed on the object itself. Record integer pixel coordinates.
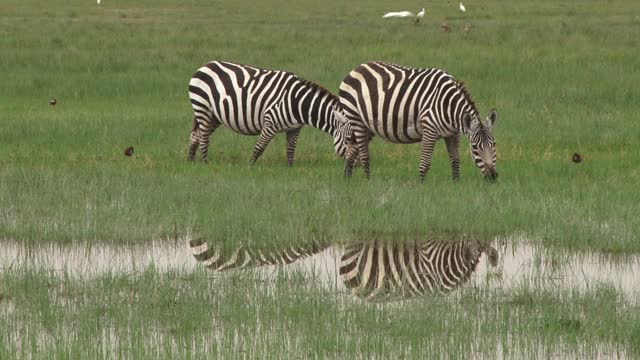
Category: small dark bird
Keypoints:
(53, 102)
(128, 151)
(576, 158)
(444, 27)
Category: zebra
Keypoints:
(254, 101)
(379, 270)
(242, 257)
(408, 105)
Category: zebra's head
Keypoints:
(475, 249)
(342, 135)
(492, 255)
(483, 145)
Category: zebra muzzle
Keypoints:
(491, 174)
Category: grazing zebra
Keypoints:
(243, 257)
(384, 270)
(253, 101)
(407, 105)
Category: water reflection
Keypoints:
(383, 270)
(376, 270)
(221, 259)
(520, 264)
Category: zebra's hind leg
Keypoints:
(428, 143)
(453, 148)
(193, 145)
(193, 140)
(267, 133)
(204, 132)
(292, 139)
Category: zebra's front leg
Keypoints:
(350, 159)
(453, 148)
(267, 133)
(363, 138)
(292, 139)
(428, 143)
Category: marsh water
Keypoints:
(503, 265)
(518, 263)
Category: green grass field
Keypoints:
(563, 76)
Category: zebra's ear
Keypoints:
(466, 120)
(492, 118)
(341, 118)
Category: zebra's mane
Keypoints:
(316, 87)
(468, 97)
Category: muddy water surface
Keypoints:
(517, 265)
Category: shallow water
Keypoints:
(521, 265)
(528, 265)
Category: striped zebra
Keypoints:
(253, 101)
(242, 257)
(408, 105)
(379, 271)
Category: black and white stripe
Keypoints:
(408, 105)
(217, 259)
(381, 270)
(253, 101)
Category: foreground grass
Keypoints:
(562, 76)
(190, 314)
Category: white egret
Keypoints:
(420, 15)
(462, 8)
(404, 14)
(98, 2)
(398, 14)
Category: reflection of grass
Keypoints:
(120, 74)
(182, 313)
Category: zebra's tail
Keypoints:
(242, 257)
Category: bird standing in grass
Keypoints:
(53, 102)
(404, 14)
(576, 158)
(444, 27)
(128, 151)
(419, 16)
(462, 8)
(467, 27)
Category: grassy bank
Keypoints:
(181, 314)
(563, 77)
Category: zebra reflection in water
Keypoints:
(375, 270)
(380, 270)
(245, 257)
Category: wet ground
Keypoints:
(513, 265)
